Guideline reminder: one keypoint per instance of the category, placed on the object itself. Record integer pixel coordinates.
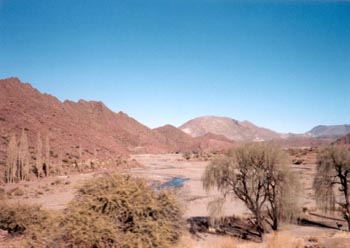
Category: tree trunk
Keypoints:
(259, 222)
(275, 224)
(346, 207)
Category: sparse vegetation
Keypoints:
(11, 163)
(144, 216)
(256, 174)
(76, 228)
(39, 161)
(110, 211)
(22, 160)
(20, 219)
(46, 167)
(23, 166)
(279, 240)
(333, 175)
(2, 194)
(17, 164)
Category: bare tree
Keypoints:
(23, 158)
(256, 174)
(333, 175)
(11, 162)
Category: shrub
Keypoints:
(16, 192)
(112, 211)
(2, 194)
(280, 240)
(144, 217)
(78, 229)
(19, 219)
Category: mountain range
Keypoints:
(86, 125)
(90, 126)
(230, 128)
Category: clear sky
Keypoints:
(283, 65)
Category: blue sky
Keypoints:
(284, 65)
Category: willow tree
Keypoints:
(332, 180)
(258, 175)
(11, 161)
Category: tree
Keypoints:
(257, 175)
(333, 175)
(11, 162)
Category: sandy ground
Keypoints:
(163, 168)
(56, 192)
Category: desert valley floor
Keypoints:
(56, 192)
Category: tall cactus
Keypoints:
(47, 155)
(39, 156)
(11, 162)
(23, 158)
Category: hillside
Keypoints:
(333, 131)
(69, 125)
(182, 142)
(229, 128)
(345, 140)
(177, 139)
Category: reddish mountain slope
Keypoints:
(177, 139)
(183, 142)
(70, 124)
(345, 140)
(230, 128)
(214, 142)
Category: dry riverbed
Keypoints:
(56, 192)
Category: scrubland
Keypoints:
(47, 212)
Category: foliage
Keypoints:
(110, 211)
(333, 174)
(19, 219)
(2, 194)
(258, 175)
(76, 228)
(145, 218)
